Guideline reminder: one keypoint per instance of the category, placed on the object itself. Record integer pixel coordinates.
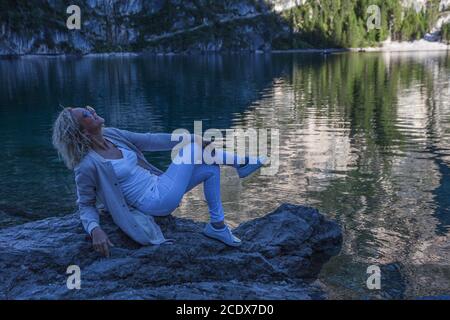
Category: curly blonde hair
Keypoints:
(69, 140)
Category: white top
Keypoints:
(134, 180)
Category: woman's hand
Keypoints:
(101, 242)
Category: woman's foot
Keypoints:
(248, 168)
(224, 235)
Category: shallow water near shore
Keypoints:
(363, 137)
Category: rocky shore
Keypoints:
(281, 256)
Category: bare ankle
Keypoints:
(218, 225)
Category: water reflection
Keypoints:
(354, 137)
(363, 137)
(138, 93)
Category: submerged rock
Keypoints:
(280, 258)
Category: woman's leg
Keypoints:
(229, 158)
(180, 177)
(244, 166)
(209, 174)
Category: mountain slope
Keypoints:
(39, 27)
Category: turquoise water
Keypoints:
(363, 137)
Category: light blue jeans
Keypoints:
(180, 178)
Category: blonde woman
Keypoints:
(109, 166)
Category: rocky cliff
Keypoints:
(280, 258)
(163, 26)
(136, 25)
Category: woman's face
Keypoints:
(88, 119)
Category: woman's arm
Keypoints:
(155, 141)
(86, 200)
(89, 216)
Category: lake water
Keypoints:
(365, 138)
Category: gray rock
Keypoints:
(280, 258)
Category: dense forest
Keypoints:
(343, 23)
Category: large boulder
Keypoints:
(280, 258)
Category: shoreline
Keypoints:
(415, 46)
